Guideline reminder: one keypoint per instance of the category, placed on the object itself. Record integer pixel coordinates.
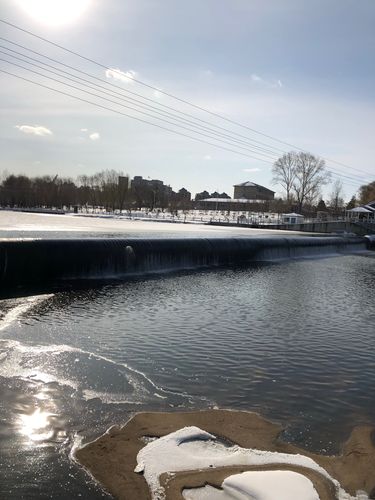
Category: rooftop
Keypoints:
(232, 200)
(251, 184)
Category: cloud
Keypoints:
(34, 130)
(272, 84)
(123, 76)
(251, 170)
(256, 78)
(93, 136)
(207, 157)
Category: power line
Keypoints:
(129, 100)
(144, 121)
(147, 114)
(154, 88)
(140, 82)
(138, 111)
(127, 115)
(251, 140)
(138, 103)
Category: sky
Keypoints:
(301, 72)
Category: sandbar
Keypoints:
(112, 458)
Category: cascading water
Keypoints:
(31, 262)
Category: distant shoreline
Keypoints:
(52, 211)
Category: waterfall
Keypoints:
(31, 262)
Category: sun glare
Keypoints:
(54, 12)
(35, 426)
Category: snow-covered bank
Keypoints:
(191, 448)
(259, 485)
(182, 453)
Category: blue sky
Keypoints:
(303, 72)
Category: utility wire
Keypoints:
(147, 114)
(128, 116)
(138, 111)
(217, 115)
(139, 95)
(135, 102)
(133, 117)
(139, 103)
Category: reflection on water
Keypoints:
(292, 341)
(36, 426)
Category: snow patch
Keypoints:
(258, 485)
(191, 448)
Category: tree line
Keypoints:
(302, 177)
(109, 189)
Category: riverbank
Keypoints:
(18, 224)
(112, 458)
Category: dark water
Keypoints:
(294, 341)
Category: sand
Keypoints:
(111, 459)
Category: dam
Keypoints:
(41, 261)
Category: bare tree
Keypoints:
(313, 198)
(336, 199)
(310, 176)
(301, 175)
(284, 172)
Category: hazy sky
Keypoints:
(303, 72)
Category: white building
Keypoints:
(292, 218)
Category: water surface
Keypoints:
(293, 340)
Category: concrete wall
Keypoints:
(311, 227)
(326, 227)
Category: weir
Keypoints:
(35, 262)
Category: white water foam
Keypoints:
(15, 313)
(41, 362)
(48, 363)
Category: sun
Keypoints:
(54, 12)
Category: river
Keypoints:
(293, 341)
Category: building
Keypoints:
(251, 191)
(150, 193)
(154, 185)
(230, 205)
(364, 212)
(123, 183)
(183, 195)
(292, 218)
(248, 196)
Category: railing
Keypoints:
(211, 217)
